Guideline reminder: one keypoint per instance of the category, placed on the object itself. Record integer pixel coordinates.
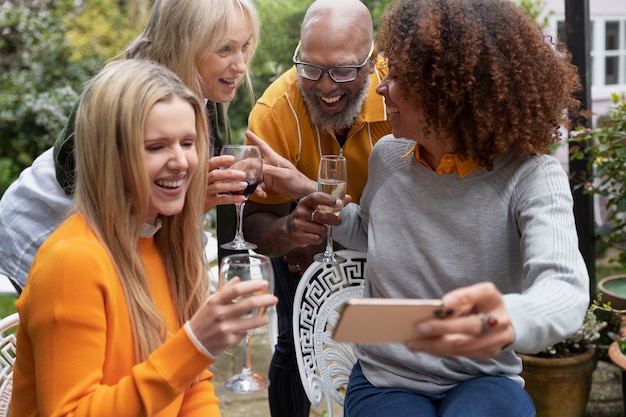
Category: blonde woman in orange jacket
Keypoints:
(115, 319)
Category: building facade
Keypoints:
(607, 45)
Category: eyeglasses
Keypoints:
(339, 74)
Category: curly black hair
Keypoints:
(483, 72)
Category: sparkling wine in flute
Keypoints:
(256, 311)
(247, 267)
(336, 188)
(332, 179)
(246, 272)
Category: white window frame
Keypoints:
(599, 90)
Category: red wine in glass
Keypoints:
(247, 192)
(248, 159)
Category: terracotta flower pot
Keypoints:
(616, 355)
(613, 289)
(559, 387)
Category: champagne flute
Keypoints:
(247, 267)
(248, 159)
(332, 179)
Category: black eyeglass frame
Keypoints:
(327, 70)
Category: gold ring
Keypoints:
(313, 216)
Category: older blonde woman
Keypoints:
(208, 44)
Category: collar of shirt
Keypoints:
(149, 230)
(451, 163)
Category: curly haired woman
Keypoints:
(463, 203)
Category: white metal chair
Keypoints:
(7, 358)
(324, 364)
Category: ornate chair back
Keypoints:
(324, 364)
(7, 357)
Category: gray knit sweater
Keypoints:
(426, 234)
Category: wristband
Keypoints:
(196, 342)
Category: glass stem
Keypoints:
(239, 233)
(329, 252)
(247, 346)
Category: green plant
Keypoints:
(614, 319)
(604, 147)
(7, 305)
(48, 49)
(536, 10)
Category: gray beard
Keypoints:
(338, 121)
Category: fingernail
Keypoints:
(338, 202)
(443, 313)
(424, 328)
(452, 300)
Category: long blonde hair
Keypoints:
(180, 33)
(112, 191)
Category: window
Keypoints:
(607, 47)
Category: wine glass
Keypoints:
(247, 267)
(248, 159)
(332, 179)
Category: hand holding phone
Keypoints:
(384, 320)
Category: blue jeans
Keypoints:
(489, 396)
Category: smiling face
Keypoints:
(170, 155)
(336, 105)
(407, 121)
(223, 70)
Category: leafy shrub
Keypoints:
(48, 49)
(605, 149)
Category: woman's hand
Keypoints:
(479, 325)
(279, 174)
(218, 324)
(222, 181)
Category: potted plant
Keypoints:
(617, 351)
(605, 150)
(564, 370)
(617, 348)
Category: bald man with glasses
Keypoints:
(325, 104)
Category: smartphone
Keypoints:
(384, 320)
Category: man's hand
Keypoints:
(279, 174)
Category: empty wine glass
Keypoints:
(332, 179)
(248, 159)
(247, 267)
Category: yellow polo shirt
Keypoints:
(280, 118)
